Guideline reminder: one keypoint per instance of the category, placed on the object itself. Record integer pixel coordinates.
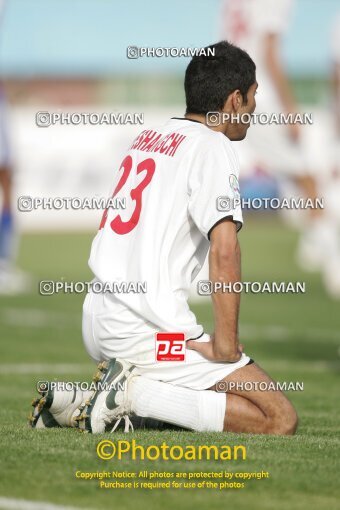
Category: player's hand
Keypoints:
(210, 351)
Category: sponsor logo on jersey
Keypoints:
(234, 185)
(170, 347)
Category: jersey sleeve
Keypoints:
(213, 187)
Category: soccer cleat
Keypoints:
(57, 408)
(108, 405)
(143, 423)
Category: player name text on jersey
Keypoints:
(151, 141)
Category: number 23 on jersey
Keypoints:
(117, 224)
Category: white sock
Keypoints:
(197, 410)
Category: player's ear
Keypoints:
(232, 102)
(236, 98)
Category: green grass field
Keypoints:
(293, 337)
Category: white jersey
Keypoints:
(171, 177)
(246, 23)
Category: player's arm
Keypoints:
(279, 77)
(224, 267)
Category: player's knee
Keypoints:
(285, 420)
(288, 424)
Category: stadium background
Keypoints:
(71, 56)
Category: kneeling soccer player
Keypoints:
(172, 177)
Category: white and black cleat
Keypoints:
(108, 405)
(57, 408)
(40, 417)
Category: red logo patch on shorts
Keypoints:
(170, 347)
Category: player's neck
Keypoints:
(197, 117)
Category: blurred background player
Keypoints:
(258, 26)
(332, 184)
(335, 57)
(12, 280)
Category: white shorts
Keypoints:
(196, 372)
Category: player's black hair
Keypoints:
(210, 79)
